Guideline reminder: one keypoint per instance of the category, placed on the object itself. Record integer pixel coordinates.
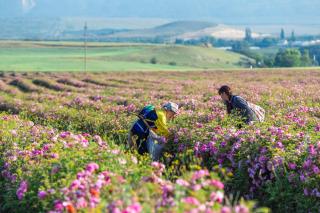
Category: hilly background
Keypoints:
(186, 19)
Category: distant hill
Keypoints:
(180, 27)
(39, 28)
(172, 29)
(132, 29)
(33, 28)
(184, 30)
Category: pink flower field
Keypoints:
(63, 143)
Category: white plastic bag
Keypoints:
(258, 111)
(154, 146)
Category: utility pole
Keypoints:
(85, 46)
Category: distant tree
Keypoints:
(288, 58)
(282, 34)
(314, 52)
(248, 36)
(223, 43)
(241, 47)
(293, 36)
(159, 39)
(153, 60)
(179, 41)
(306, 60)
(208, 39)
(267, 42)
(268, 61)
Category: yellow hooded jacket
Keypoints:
(161, 124)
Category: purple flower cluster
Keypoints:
(261, 165)
(23, 187)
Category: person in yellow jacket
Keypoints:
(151, 127)
(161, 123)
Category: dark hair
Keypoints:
(227, 90)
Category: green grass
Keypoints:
(68, 56)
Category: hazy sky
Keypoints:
(220, 10)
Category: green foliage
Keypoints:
(241, 47)
(305, 59)
(267, 42)
(288, 58)
(293, 58)
(314, 52)
(153, 60)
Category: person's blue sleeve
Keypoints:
(246, 111)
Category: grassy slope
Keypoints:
(33, 56)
